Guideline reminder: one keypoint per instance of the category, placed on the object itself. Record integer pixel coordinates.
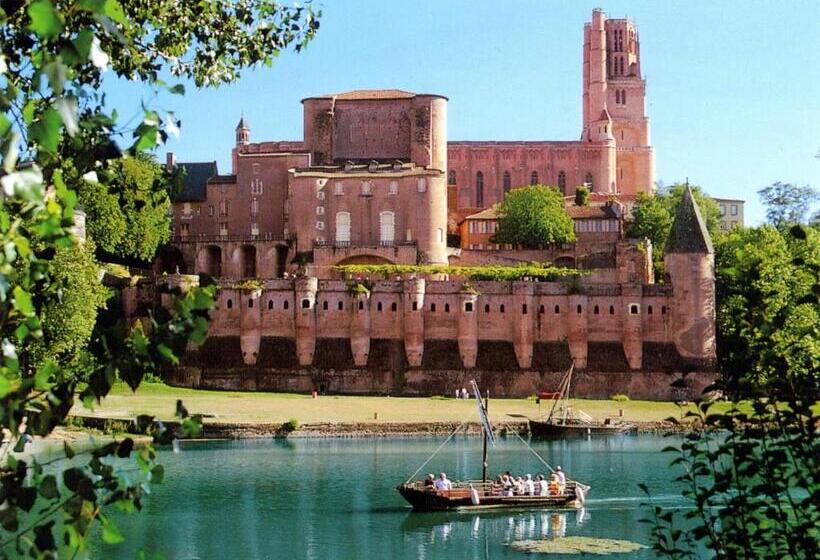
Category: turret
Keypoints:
(243, 132)
(690, 262)
(305, 290)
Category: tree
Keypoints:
(581, 196)
(787, 204)
(55, 128)
(653, 214)
(751, 473)
(533, 217)
(129, 216)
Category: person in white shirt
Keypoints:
(529, 486)
(442, 483)
(542, 486)
(562, 478)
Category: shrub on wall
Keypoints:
(535, 271)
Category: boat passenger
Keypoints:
(541, 486)
(430, 480)
(555, 485)
(519, 486)
(442, 483)
(562, 478)
(507, 485)
(529, 486)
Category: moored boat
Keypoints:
(564, 421)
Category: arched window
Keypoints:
(617, 97)
(451, 177)
(433, 307)
(562, 181)
(623, 97)
(588, 181)
(285, 304)
(250, 303)
(612, 310)
(486, 308)
(501, 308)
(595, 310)
(507, 182)
(340, 306)
(557, 309)
(621, 66)
(342, 227)
(379, 306)
(324, 305)
(479, 189)
(230, 304)
(270, 304)
(387, 227)
(534, 178)
(446, 307)
(393, 306)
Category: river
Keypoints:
(336, 499)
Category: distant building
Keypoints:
(731, 212)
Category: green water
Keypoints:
(336, 499)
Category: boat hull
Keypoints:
(540, 429)
(426, 499)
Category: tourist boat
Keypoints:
(563, 421)
(484, 494)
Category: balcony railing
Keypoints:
(202, 238)
(353, 243)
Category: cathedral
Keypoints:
(375, 180)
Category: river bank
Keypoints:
(233, 430)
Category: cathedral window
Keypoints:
(534, 178)
(421, 185)
(367, 188)
(479, 189)
(451, 178)
(507, 182)
(342, 227)
(387, 227)
(339, 188)
(562, 181)
(393, 188)
(588, 181)
(255, 207)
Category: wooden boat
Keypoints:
(487, 495)
(484, 494)
(563, 421)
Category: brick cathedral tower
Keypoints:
(614, 99)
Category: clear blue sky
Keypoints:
(733, 88)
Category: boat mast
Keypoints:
(484, 463)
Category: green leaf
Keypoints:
(46, 130)
(48, 487)
(167, 353)
(177, 89)
(45, 20)
(5, 386)
(22, 301)
(111, 534)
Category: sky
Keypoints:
(733, 88)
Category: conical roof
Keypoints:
(688, 233)
(242, 123)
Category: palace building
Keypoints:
(375, 180)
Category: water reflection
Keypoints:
(503, 527)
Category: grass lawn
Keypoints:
(237, 407)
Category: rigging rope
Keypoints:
(534, 452)
(430, 458)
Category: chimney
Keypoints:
(170, 161)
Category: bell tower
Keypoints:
(613, 83)
(243, 138)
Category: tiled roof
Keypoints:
(195, 180)
(363, 94)
(490, 213)
(592, 212)
(688, 233)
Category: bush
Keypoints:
(620, 398)
(290, 426)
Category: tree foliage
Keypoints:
(129, 216)
(753, 478)
(534, 217)
(787, 204)
(653, 214)
(55, 128)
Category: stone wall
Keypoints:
(217, 366)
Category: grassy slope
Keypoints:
(159, 400)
